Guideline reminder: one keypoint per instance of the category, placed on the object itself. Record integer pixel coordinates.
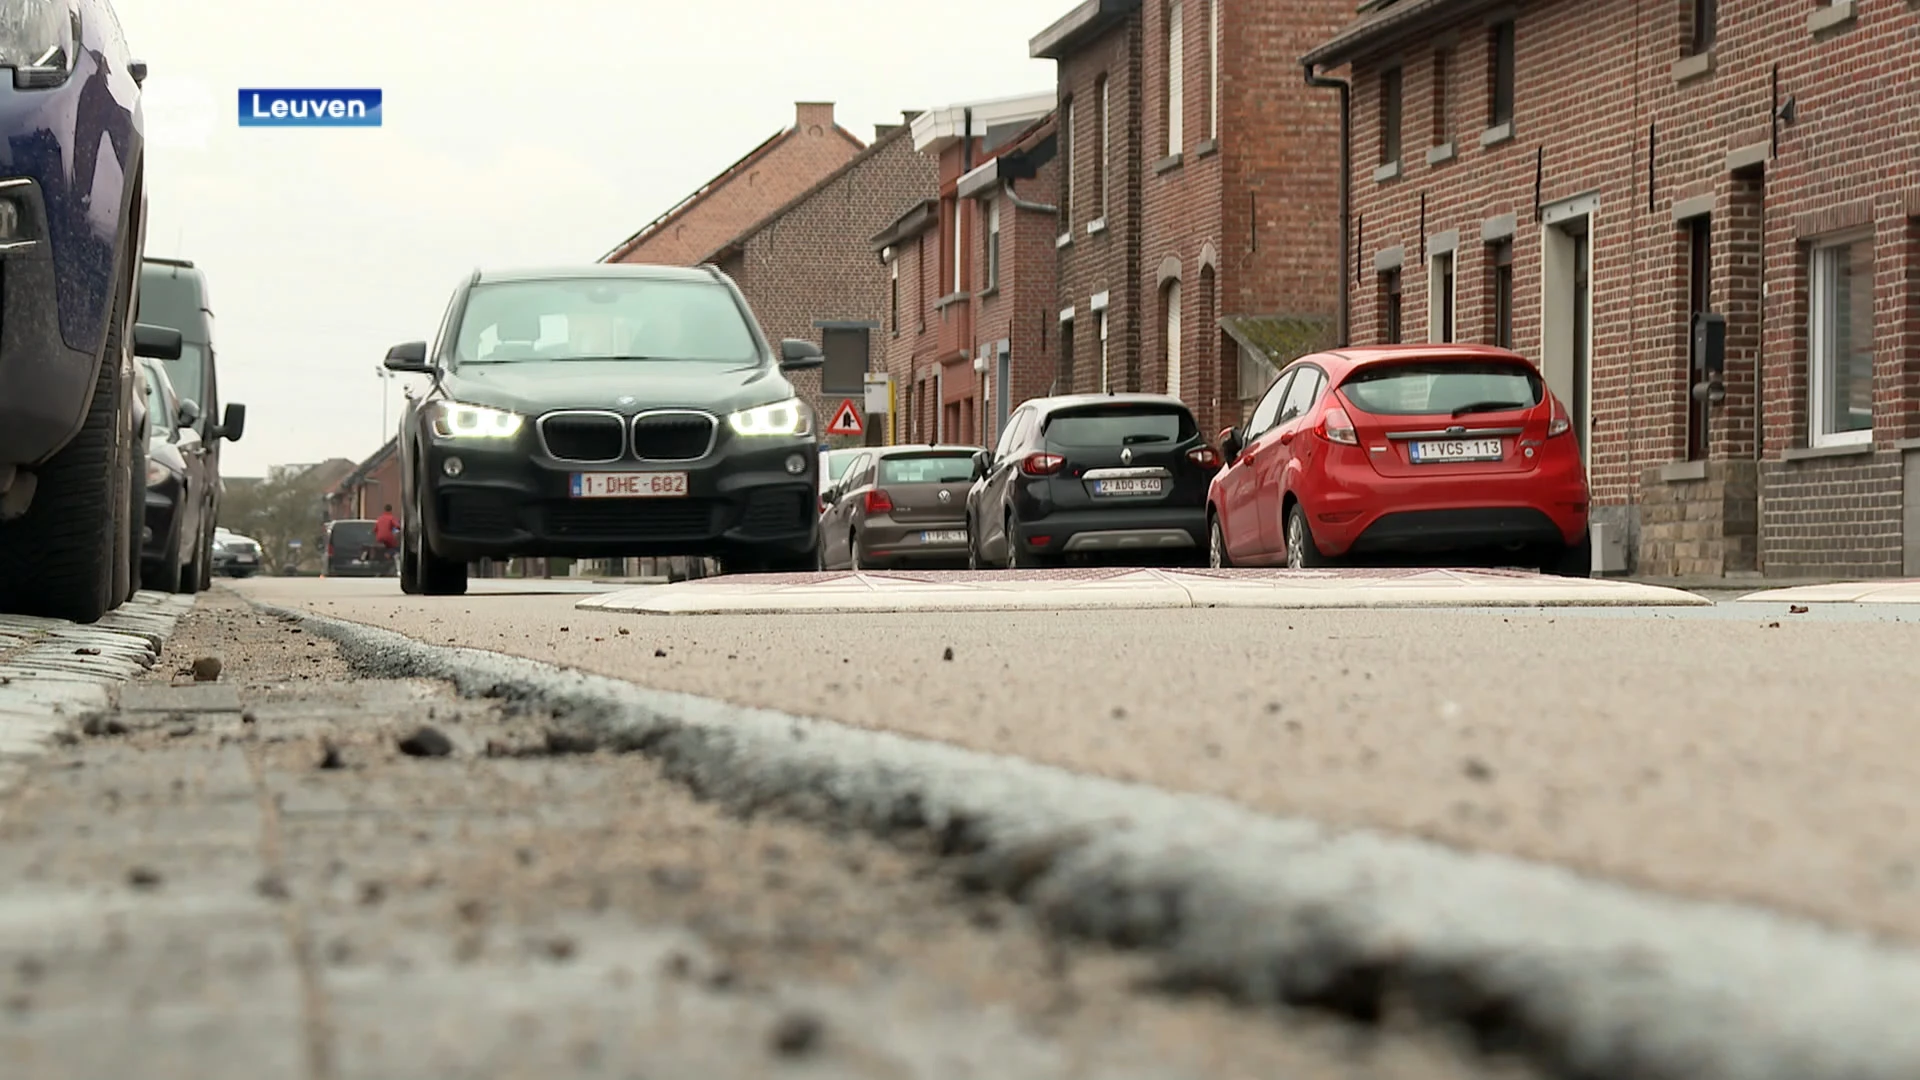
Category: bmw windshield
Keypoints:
(604, 319)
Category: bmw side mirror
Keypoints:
(189, 414)
(410, 357)
(156, 342)
(982, 464)
(234, 423)
(137, 69)
(799, 354)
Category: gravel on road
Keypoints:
(293, 871)
(1763, 760)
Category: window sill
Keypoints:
(1389, 171)
(1441, 154)
(1835, 16)
(1063, 240)
(1679, 472)
(1206, 148)
(1169, 163)
(1497, 134)
(1097, 225)
(989, 292)
(1690, 68)
(949, 300)
(1815, 453)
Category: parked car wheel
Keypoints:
(1217, 557)
(61, 554)
(166, 574)
(1302, 552)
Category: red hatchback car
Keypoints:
(1403, 450)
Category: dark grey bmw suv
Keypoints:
(604, 411)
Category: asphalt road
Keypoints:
(252, 877)
(1740, 753)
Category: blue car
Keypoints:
(72, 234)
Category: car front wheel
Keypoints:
(1217, 557)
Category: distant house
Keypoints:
(808, 271)
(969, 271)
(768, 177)
(373, 484)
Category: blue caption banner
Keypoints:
(309, 108)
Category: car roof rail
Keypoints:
(713, 270)
(183, 263)
(475, 279)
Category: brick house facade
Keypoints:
(1752, 161)
(373, 484)
(972, 269)
(1204, 178)
(767, 178)
(808, 262)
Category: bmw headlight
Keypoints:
(39, 40)
(453, 420)
(790, 417)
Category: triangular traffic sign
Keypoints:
(847, 420)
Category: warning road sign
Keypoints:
(847, 419)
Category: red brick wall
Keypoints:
(1592, 77)
(815, 262)
(1258, 204)
(814, 148)
(1109, 260)
(1021, 310)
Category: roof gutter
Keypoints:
(1315, 79)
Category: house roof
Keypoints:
(918, 218)
(685, 206)
(935, 129)
(365, 468)
(1386, 21)
(1074, 30)
(1017, 159)
(737, 243)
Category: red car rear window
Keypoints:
(1423, 388)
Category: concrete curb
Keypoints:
(1583, 978)
(53, 673)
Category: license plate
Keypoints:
(943, 537)
(643, 485)
(245, 558)
(1457, 450)
(1135, 486)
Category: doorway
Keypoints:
(1566, 309)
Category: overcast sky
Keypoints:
(513, 133)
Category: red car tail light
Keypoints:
(1041, 464)
(1559, 424)
(878, 502)
(1204, 456)
(1337, 427)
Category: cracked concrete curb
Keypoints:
(53, 673)
(1583, 978)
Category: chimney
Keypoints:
(808, 115)
(881, 131)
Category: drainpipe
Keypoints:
(1316, 79)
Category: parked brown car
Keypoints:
(898, 505)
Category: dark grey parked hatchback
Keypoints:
(1092, 474)
(604, 411)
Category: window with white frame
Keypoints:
(1213, 70)
(1440, 296)
(1840, 342)
(1171, 340)
(959, 245)
(1176, 79)
(993, 243)
(1100, 164)
(1105, 382)
(893, 287)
